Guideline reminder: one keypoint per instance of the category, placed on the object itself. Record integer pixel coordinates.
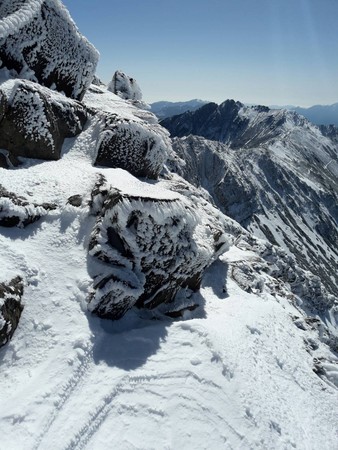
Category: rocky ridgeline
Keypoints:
(150, 245)
(284, 190)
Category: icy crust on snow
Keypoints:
(34, 121)
(39, 40)
(152, 248)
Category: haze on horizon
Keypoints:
(261, 52)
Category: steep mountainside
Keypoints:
(281, 185)
(134, 313)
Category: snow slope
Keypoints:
(235, 373)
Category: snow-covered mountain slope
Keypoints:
(223, 339)
(286, 192)
(252, 366)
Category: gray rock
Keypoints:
(284, 191)
(133, 145)
(40, 42)
(149, 250)
(34, 121)
(10, 308)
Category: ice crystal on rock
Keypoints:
(39, 40)
(152, 247)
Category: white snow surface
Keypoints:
(235, 374)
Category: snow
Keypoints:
(234, 374)
(237, 378)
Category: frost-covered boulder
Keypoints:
(128, 137)
(125, 87)
(10, 308)
(151, 246)
(133, 145)
(17, 211)
(34, 121)
(40, 42)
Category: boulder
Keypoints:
(10, 308)
(17, 211)
(132, 145)
(125, 87)
(40, 42)
(150, 247)
(34, 121)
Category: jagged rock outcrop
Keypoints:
(39, 40)
(34, 121)
(10, 308)
(152, 247)
(17, 211)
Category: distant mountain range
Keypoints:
(317, 114)
(165, 109)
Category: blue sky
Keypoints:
(256, 51)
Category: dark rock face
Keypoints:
(149, 250)
(16, 211)
(232, 123)
(41, 43)
(35, 121)
(136, 146)
(10, 308)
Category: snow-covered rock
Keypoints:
(34, 121)
(130, 138)
(125, 87)
(18, 211)
(40, 42)
(10, 308)
(152, 245)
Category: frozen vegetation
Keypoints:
(135, 313)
